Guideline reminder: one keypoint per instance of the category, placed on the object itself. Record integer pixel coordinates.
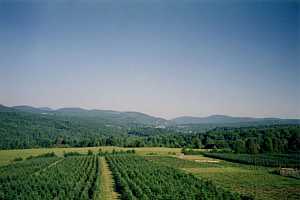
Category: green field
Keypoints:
(87, 177)
(256, 181)
(139, 178)
(249, 180)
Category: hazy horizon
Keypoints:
(166, 59)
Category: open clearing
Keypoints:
(197, 158)
(244, 179)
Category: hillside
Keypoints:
(99, 116)
(138, 118)
(20, 129)
(26, 127)
(223, 119)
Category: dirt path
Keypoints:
(107, 183)
(198, 158)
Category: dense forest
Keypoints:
(20, 129)
(253, 140)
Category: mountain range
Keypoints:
(125, 118)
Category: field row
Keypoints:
(72, 178)
(138, 178)
(81, 177)
(132, 177)
(269, 160)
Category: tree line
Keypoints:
(25, 130)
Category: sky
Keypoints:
(164, 58)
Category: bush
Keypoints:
(221, 151)
(17, 159)
(52, 154)
(186, 151)
(90, 152)
(130, 151)
(72, 153)
(45, 155)
(29, 157)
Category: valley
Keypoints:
(73, 153)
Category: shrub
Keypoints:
(17, 159)
(90, 152)
(72, 153)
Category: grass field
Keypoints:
(6, 156)
(244, 179)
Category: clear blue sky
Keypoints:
(167, 58)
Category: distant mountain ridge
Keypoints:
(104, 116)
(219, 119)
(118, 117)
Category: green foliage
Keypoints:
(27, 130)
(29, 157)
(72, 153)
(253, 140)
(186, 151)
(79, 128)
(51, 154)
(90, 152)
(252, 146)
(172, 153)
(249, 180)
(130, 151)
(138, 178)
(239, 146)
(118, 152)
(24, 168)
(271, 160)
(45, 178)
(267, 144)
(45, 155)
(17, 159)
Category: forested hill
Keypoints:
(138, 118)
(102, 116)
(19, 129)
(27, 127)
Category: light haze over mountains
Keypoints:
(142, 118)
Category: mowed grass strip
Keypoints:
(107, 184)
(244, 179)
